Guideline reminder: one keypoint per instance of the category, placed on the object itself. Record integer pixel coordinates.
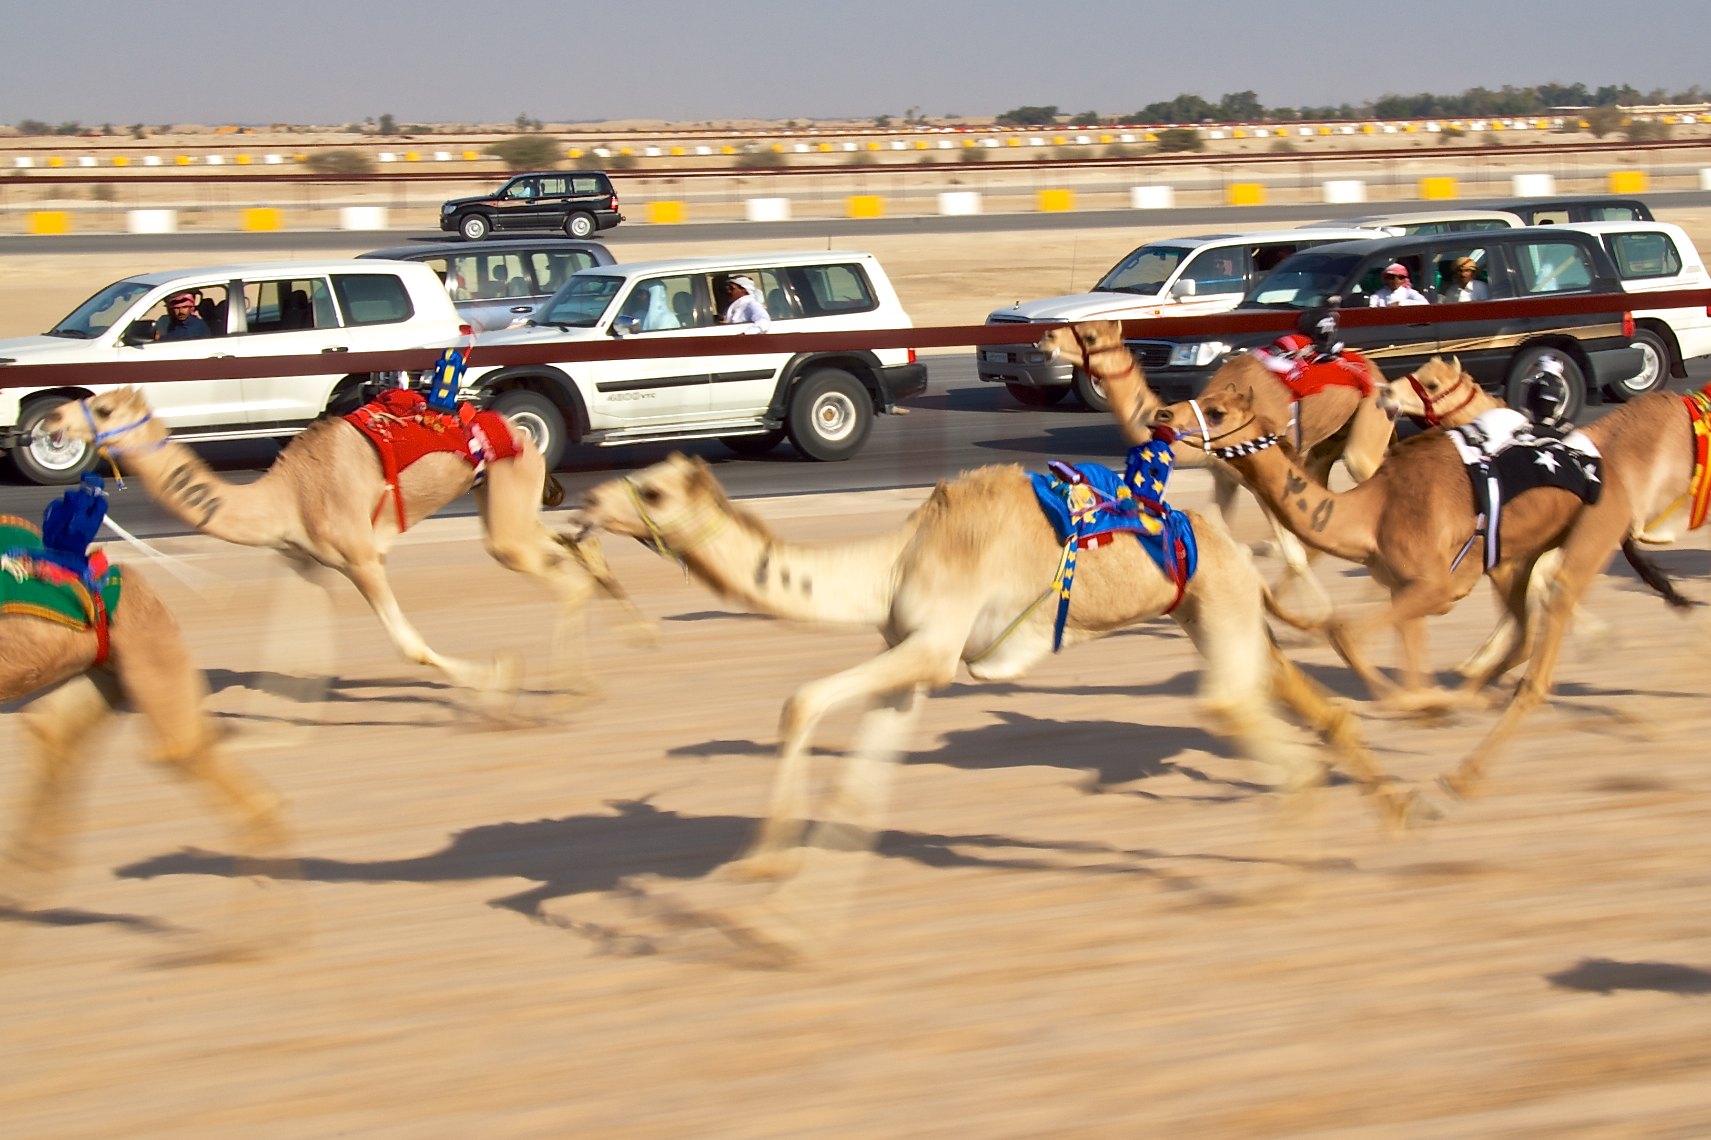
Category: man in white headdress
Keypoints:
(745, 307)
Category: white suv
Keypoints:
(823, 401)
(1173, 277)
(1651, 257)
(284, 309)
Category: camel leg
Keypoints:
(1408, 608)
(1370, 433)
(916, 662)
(368, 575)
(1509, 643)
(58, 722)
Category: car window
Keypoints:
(1305, 280)
(288, 306)
(1614, 214)
(1644, 254)
(823, 290)
(1551, 217)
(1441, 262)
(588, 184)
(554, 187)
(206, 315)
(1143, 270)
(96, 315)
(581, 302)
(372, 298)
(550, 268)
(1551, 267)
(774, 293)
(661, 303)
(1217, 270)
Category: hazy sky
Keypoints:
(318, 61)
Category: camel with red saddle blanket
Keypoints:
(340, 497)
(1329, 410)
(87, 661)
(1414, 521)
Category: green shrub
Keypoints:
(1175, 139)
(528, 152)
(618, 161)
(336, 161)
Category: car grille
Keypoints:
(1150, 354)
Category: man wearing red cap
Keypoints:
(181, 321)
(1397, 289)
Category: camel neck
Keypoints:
(191, 491)
(1130, 397)
(1339, 524)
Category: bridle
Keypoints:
(102, 440)
(1207, 439)
(656, 538)
(1431, 417)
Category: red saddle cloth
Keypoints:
(1303, 378)
(404, 428)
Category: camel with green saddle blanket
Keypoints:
(85, 639)
(342, 492)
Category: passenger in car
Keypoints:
(1396, 289)
(746, 307)
(1462, 283)
(659, 314)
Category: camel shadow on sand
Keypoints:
(1604, 976)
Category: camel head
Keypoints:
(1079, 341)
(1223, 416)
(99, 418)
(669, 504)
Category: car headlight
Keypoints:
(1197, 354)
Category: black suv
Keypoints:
(579, 202)
(1545, 211)
(1501, 352)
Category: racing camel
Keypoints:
(145, 665)
(1408, 522)
(1330, 422)
(327, 498)
(962, 581)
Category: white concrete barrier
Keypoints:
(1533, 185)
(767, 209)
(1344, 190)
(1705, 178)
(960, 203)
(151, 221)
(1152, 197)
(362, 217)
(23, 162)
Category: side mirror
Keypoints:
(1185, 287)
(624, 326)
(139, 333)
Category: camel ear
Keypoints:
(1455, 362)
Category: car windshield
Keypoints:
(1143, 271)
(580, 303)
(1305, 281)
(96, 315)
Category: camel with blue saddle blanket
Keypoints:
(1415, 523)
(344, 489)
(86, 638)
(1325, 398)
(966, 581)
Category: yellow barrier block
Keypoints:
(1244, 194)
(872, 144)
(411, 156)
(1058, 140)
(824, 148)
(1437, 188)
(50, 222)
(1238, 133)
(1324, 130)
(471, 156)
(727, 150)
(56, 161)
(1627, 182)
(1367, 128)
(865, 206)
(241, 160)
(665, 213)
(920, 144)
(121, 160)
(573, 152)
(677, 152)
(181, 160)
(1048, 201)
(1013, 141)
(258, 218)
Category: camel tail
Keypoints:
(552, 491)
(1652, 575)
(1306, 625)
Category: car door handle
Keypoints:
(522, 308)
(221, 356)
(336, 348)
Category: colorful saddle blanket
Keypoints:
(404, 427)
(1504, 458)
(1090, 505)
(1308, 376)
(1699, 490)
(49, 572)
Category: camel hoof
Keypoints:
(1428, 702)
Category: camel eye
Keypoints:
(651, 496)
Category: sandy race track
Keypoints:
(1085, 919)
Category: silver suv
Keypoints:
(824, 402)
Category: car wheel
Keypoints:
(1030, 396)
(579, 226)
(538, 418)
(1653, 372)
(830, 415)
(1562, 398)
(474, 227)
(1090, 392)
(752, 445)
(38, 459)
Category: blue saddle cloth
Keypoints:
(1090, 505)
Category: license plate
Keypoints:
(992, 356)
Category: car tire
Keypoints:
(1029, 396)
(37, 459)
(474, 227)
(1525, 365)
(1090, 392)
(579, 225)
(538, 418)
(753, 445)
(830, 415)
(1654, 370)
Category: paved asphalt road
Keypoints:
(958, 423)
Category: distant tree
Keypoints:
(1182, 109)
(883, 122)
(1241, 107)
(387, 125)
(1085, 119)
(1603, 119)
(34, 127)
(524, 123)
(107, 129)
(68, 129)
(1028, 117)
(1646, 130)
(138, 131)
(1179, 139)
(527, 152)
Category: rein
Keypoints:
(1432, 417)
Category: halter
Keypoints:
(101, 439)
(1252, 447)
(1431, 417)
(1207, 438)
(656, 540)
